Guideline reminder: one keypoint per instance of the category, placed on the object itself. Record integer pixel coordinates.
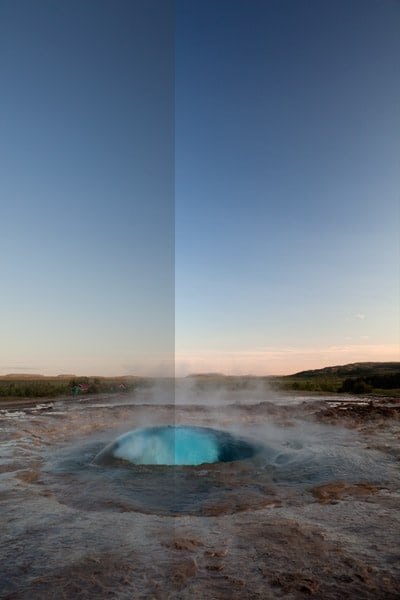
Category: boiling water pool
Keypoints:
(176, 445)
(203, 471)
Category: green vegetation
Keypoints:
(52, 387)
(217, 381)
(293, 383)
(357, 378)
(361, 385)
(33, 389)
(381, 379)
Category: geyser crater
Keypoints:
(171, 445)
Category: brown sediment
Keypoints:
(238, 502)
(355, 412)
(332, 492)
(245, 542)
(300, 560)
(264, 560)
(28, 476)
(184, 544)
(215, 553)
(98, 576)
(289, 582)
(183, 570)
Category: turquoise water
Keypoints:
(149, 470)
(168, 446)
(180, 445)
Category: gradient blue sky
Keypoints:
(281, 197)
(287, 183)
(86, 183)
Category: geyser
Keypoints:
(176, 445)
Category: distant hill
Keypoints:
(64, 376)
(361, 369)
(355, 378)
(34, 377)
(204, 375)
(23, 376)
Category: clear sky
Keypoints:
(287, 184)
(86, 184)
(265, 152)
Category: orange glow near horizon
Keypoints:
(284, 361)
(260, 362)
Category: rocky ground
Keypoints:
(258, 537)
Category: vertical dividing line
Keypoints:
(173, 245)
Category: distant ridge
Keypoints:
(34, 376)
(193, 375)
(64, 376)
(352, 369)
(358, 369)
(25, 376)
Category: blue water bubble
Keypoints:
(176, 445)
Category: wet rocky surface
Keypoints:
(318, 518)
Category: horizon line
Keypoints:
(195, 374)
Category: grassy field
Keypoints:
(52, 387)
(381, 379)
